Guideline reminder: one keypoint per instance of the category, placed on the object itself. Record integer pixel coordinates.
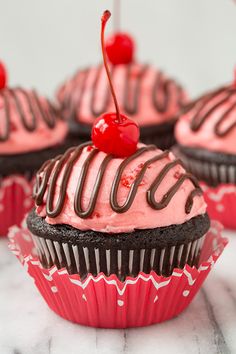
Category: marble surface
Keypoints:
(27, 326)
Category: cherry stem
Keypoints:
(105, 17)
(117, 7)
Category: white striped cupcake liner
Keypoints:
(210, 172)
(106, 302)
(88, 260)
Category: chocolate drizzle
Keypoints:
(129, 108)
(164, 86)
(208, 104)
(32, 104)
(98, 112)
(62, 166)
(78, 84)
(162, 92)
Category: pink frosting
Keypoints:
(147, 113)
(20, 139)
(140, 215)
(206, 137)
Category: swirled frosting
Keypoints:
(210, 122)
(90, 190)
(145, 94)
(28, 122)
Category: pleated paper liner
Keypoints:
(15, 200)
(218, 182)
(221, 203)
(105, 301)
(81, 260)
(211, 172)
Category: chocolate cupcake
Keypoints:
(145, 94)
(107, 205)
(206, 133)
(98, 213)
(31, 131)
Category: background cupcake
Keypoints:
(206, 134)
(146, 94)
(31, 131)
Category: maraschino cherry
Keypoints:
(120, 48)
(114, 133)
(234, 82)
(3, 76)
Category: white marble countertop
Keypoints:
(27, 326)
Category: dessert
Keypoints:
(31, 131)
(206, 133)
(121, 230)
(146, 94)
(115, 185)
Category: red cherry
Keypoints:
(115, 137)
(114, 133)
(120, 48)
(3, 76)
(234, 82)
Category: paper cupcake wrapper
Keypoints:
(218, 182)
(221, 202)
(163, 141)
(208, 171)
(123, 262)
(15, 200)
(107, 302)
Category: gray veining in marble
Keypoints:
(27, 326)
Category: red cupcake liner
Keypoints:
(221, 201)
(15, 201)
(107, 302)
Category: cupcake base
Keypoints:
(28, 163)
(105, 301)
(161, 135)
(211, 167)
(15, 200)
(83, 252)
(217, 175)
(16, 184)
(221, 203)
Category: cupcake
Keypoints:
(31, 131)
(146, 94)
(206, 133)
(115, 198)
(120, 229)
(96, 212)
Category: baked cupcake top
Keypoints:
(210, 122)
(28, 122)
(147, 95)
(89, 189)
